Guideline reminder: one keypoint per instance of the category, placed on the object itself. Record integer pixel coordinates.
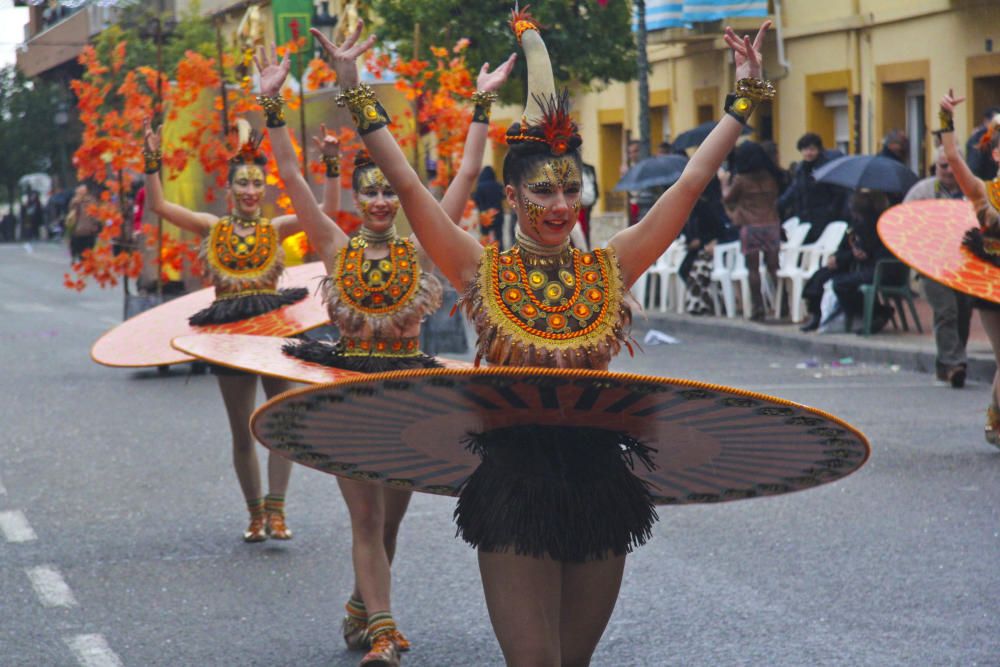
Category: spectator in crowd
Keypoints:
(8, 226)
(980, 159)
(815, 203)
(589, 195)
(952, 309)
(896, 146)
(854, 263)
(82, 227)
(632, 150)
(750, 194)
(707, 226)
(32, 217)
(665, 148)
(489, 195)
(771, 148)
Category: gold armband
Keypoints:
(274, 109)
(332, 164)
(153, 159)
(484, 102)
(367, 112)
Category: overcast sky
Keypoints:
(12, 20)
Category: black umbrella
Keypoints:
(867, 171)
(653, 172)
(697, 135)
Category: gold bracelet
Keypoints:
(947, 119)
(332, 164)
(153, 159)
(274, 109)
(367, 112)
(484, 102)
(757, 90)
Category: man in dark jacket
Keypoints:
(812, 202)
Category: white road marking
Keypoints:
(93, 651)
(16, 307)
(51, 588)
(15, 527)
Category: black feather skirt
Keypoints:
(239, 308)
(566, 492)
(332, 355)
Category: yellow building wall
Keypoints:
(866, 48)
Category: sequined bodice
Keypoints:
(388, 296)
(240, 263)
(565, 310)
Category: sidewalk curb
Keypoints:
(873, 350)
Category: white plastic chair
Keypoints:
(801, 264)
(790, 224)
(666, 271)
(723, 262)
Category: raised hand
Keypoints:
(488, 81)
(949, 101)
(345, 56)
(747, 56)
(151, 138)
(272, 72)
(329, 145)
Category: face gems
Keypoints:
(545, 180)
(249, 172)
(373, 179)
(535, 212)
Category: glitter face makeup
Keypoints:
(371, 184)
(544, 181)
(247, 188)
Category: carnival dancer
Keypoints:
(379, 289)
(552, 527)
(242, 253)
(984, 242)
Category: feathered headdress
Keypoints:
(546, 118)
(249, 145)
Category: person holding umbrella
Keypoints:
(985, 198)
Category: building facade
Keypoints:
(849, 70)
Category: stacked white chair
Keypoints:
(799, 264)
(666, 273)
(724, 262)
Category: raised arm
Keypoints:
(460, 188)
(639, 246)
(329, 150)
(455, 252)
(323, 233)
(192, 221)
(972, 187)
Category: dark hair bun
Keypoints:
(362, 160)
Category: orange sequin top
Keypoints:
(383, 298)
(243, 264)
(565, 311)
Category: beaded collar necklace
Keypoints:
(370, 237)
(539, 254)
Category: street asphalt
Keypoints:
(120, 523)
